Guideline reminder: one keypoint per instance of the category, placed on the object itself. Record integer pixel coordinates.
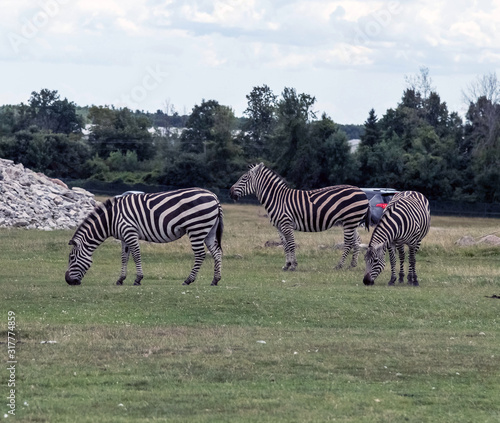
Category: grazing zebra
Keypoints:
(405, 221)
(161, 217)
(308, 211)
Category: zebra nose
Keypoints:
(70, 280)
(368, 280)
(233, 194)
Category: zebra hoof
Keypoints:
(186, 282)
(119, 283)
(214, 283)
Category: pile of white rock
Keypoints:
(32, 200)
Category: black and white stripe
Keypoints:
(307, 211)
(161, 217)
(405, 221)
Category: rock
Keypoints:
(32, 200)
(490, 240)
(466, 241)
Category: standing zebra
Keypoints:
(308, 211)
(161, 217)
(405, 221)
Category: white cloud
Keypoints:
(205, 43)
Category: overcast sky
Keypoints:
(351, 55)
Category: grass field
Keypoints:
(314, 345)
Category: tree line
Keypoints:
(418, 145)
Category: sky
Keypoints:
(350, 55)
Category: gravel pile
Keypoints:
(32, 200)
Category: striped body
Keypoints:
(307, 211)
(161, 217)
(405, 221)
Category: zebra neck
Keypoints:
(269, 193)
(96, 228)
(382, 234)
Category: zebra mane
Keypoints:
(95, 214)
(271, 171)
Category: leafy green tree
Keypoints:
(482, 139)
(365, 153)
(199, 127)
(261, 113)
(222, 152)
(8, 120)
(427, 141)
(49, 113)
(294, 112)
(207, 144)
(185, 170)
(57, 155)
(331, 160)
(120, 130)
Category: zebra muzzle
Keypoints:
(233, 194)
(368, 280)
(71, 281)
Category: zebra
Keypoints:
(159, 217)
(308, 211)
(405, 221)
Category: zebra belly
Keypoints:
(172, 236)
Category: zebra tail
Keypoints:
(368, 217)
(220, 228)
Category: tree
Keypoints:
(370, 139)
(482, 138)
(58, 155)
(208, 144)
(199, 127)
(486, 86)
(222, 152)
(261, 120)
(421, 83)
(294, 112)
(120, 130)
(8, 120)
(46, 111)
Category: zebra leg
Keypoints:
(125, 256)
(412, 273)
(401, 250)
(349, 241)
(216, 253)
(199, 255)
(134, 249)
(392, 259)
(355, 249)
(287, 237)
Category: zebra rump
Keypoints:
(405, 221)
(160, 218)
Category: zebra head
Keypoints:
(375, 263)
(246, 184)
(80, 259)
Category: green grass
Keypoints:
(334, 349)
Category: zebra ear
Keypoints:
(379, 249)
(258, 167)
